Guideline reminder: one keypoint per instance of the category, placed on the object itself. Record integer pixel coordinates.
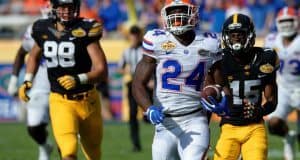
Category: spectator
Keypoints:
(88, 12)
(32, 7)
(111, 15)
(238, 6)
(262, 12)
(4, 6)
(212, 16)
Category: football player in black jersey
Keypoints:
(75, 62)
(246, 74)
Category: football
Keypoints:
(211, 90)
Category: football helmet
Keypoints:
(70, 10)
(46, 10)
(287, 22)
(238, 34)
(179, 16)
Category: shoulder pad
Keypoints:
(270, 40)
(95, 30)
(89, 28)
(211, 41)
(39, 24)
(270, 61)
(152, 38)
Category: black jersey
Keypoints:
(66, 52)
(248, 81)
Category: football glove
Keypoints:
(220, 108)
(23, 91)
(12, 88)
(154, 114)
(250, 111)
(68, 82)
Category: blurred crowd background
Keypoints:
(118, 15)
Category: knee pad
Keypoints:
(278, 127)
(38, 133)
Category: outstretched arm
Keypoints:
(142, 76)
(17, 65)
(31, 68)
(33, 62)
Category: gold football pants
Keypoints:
(73, 119)
(249, 140)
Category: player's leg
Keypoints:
(64, 125)
(164, 144)
(133, 121)
(90, 127)
(229, 143)
(277, 124)
(256, 145)
(37, 121)
(194, 141)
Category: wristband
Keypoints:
(28, 77)
(83, 78)
(13, 79)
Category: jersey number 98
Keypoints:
(59, 54)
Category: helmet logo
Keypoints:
(234, 25)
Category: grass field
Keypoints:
(15, 144)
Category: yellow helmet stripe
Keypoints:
(235, 18)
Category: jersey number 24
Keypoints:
(195, 78)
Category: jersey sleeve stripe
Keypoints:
(147, 42)
(147, 50)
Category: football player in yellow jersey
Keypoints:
(75, 62)
(244, 72)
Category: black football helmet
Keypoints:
(65, 17)
(238, 33)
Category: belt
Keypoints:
(184, 114)
(77, 96)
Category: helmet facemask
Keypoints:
(287, 22)
(287, 27)
(66, 11)
(238, 34)
(179, 17)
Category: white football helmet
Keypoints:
(287, 21)
(179, 16)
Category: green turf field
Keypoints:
(15, 144)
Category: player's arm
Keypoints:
(142, 76)
(17, 65)
(31, 68)
(270, 95)
(99, 70)
(215, 77)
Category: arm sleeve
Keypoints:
(36, 33)
(94, 32)
(149, 45)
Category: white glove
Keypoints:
(12, 88)
(295, 97)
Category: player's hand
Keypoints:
(68, 82)
(250, 110)
(220, 108)
(155, 115)
(23, 91)
(12, 88)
